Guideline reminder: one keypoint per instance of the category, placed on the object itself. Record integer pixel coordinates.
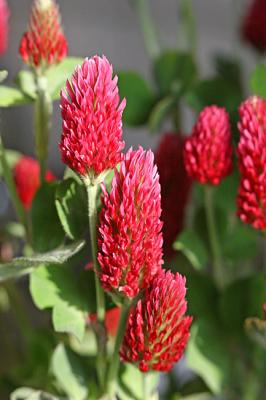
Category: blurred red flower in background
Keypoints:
(253, 28)
(44, 43)
(27, 179)
(175, 187)
(4, 14)
(111, 320)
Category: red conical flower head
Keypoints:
(175, 187)
(252, 162)
(208, 152)
(92, 119)
(27, 179)
(157, 330)
(4, 14)
(253, 29)
(44, 43)
(130, 238)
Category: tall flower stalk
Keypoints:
(42, 46)
(91, 144)
(208, 159)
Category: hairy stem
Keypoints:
(114, 364)
(92, 191)
(213, 238)
(43, 115)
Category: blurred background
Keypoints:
(111, 27)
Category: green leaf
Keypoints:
(57, 288)
(190, 244)
(69, 371)
(174, 69)
(25, 265)
(213, 91)
(229, 68)
(25, 393)
(26, 82)
(258, 81)
(131, 383)
(200, 305)
(72, 208)
(161, 111)
(12, 157)
(58, 75)
(198, 396)
(241, 243)
(12, 97)
(208, 355)
(139, 96)
(47, 231)
(68, 319)
(240, 300)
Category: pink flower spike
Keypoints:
(157, 330)
(44, 43)
(4, 15)
(251, 201)
(208, 151)
(91, 140)
(130, 238)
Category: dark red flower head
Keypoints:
(130, 238)
(4, 14)
(27, 179)
(157, 330)
(252, 162)
(92, 119)
(175, 187)
(44, 43)
(253, 28)
(208, 152)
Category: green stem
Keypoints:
(7, 173)
(214, 242)
(43, 114)
(92, 191)
(188, 24)
(147, 27)
(145, 395)
(114, 364)
(264, 262)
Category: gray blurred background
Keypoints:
(111, 27)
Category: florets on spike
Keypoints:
(252, 162)
(157, 330)
(130, 238)
(92, 119)
(44, 43)
(208, 152)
